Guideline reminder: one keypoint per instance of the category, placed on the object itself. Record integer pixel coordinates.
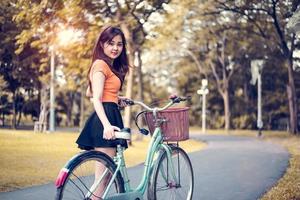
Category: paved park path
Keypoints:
(229, 168)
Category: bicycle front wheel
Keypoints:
(81, 182)
(163, 185)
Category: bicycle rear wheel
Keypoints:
(80, 179)
(163, 185)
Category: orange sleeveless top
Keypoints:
(112, 83)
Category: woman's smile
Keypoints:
(114, 53)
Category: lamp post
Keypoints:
(203, 91)
(52, 94)
(65, 36)
(256, 70)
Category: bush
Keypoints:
(244, 122)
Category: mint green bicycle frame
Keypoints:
(156, 144)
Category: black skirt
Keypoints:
(91, 135)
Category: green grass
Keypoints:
(288, 187)
(29, 158)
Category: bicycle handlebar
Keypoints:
(173, 99)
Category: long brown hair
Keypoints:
(120, 64)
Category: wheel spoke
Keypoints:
(165, 185)
(78, 186)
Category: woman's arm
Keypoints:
(98, 79)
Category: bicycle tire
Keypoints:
(80, 176)
(162, 185)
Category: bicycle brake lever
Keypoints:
(144, 131)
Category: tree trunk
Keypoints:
(3, 119)
(127, 114)
(130, 49)
(14, 119)
(69, 118)
(226, 108)
(19, 118)
(41, 124)
(82, 95)
(70, 108)
(288, 53)
(246, 95)
(140, 89)
(292, 98)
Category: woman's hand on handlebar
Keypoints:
(124, 101)
(109, 132)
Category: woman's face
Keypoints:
(113, 48)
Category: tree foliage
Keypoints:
(176, 44)
(220, 38)
(45, 19)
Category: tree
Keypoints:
(9, 68)
(45, 21)
(267, 17)
(5, 107)
(211, 50)
(16, 69)
(45, 17)
(197, 39)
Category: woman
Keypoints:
(105, 76)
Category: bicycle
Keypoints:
(168, 172)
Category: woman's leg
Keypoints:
(99, 169)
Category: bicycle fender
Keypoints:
(72, 163)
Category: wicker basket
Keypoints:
(177, 126)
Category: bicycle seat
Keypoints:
(125, 133)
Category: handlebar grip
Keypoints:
(129, 102)
(124, 133)
(179, 99)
